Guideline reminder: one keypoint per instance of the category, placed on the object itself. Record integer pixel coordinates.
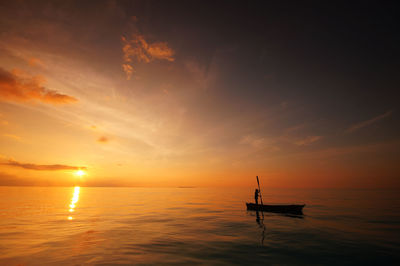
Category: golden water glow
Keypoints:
(74, 200)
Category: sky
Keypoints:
(199, 93)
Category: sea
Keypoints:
(196, 226)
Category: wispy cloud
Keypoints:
(139, 50)
(12, 136)
(369, 122)
(3, 122)
(294, 129)
(17, 87)
(35, 62)
(42, 167)
(297, 135)
(259, 143)
(253, 141)
(307, 140)
(103, 139)
(128, 69)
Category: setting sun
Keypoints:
(80, 173)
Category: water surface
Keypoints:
(196, 226)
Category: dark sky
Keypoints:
(337, 60)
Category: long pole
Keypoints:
(259, 191)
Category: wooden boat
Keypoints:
(293, 209)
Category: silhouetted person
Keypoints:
(256, 196)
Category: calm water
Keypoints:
(195, 226)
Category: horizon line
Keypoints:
(193, 187)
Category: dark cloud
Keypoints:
(11, 180)
(20, 88)
(43, 167)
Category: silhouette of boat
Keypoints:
(293, 209)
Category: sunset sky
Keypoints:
(195, 93)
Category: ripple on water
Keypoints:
(196, 226)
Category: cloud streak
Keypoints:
(369, 122)
(12, 136)
(19, 88)
(253, 141)
(43, 167)
(308, 140)
(35, 62)
(139, 50)
(103, 139)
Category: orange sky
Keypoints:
(138, 101)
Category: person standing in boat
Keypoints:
(256, 193)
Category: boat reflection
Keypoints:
(260, 223)
(74, 200)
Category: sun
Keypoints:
(80, 173)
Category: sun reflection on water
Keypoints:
(74, 200)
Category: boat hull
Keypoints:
(293, 209)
